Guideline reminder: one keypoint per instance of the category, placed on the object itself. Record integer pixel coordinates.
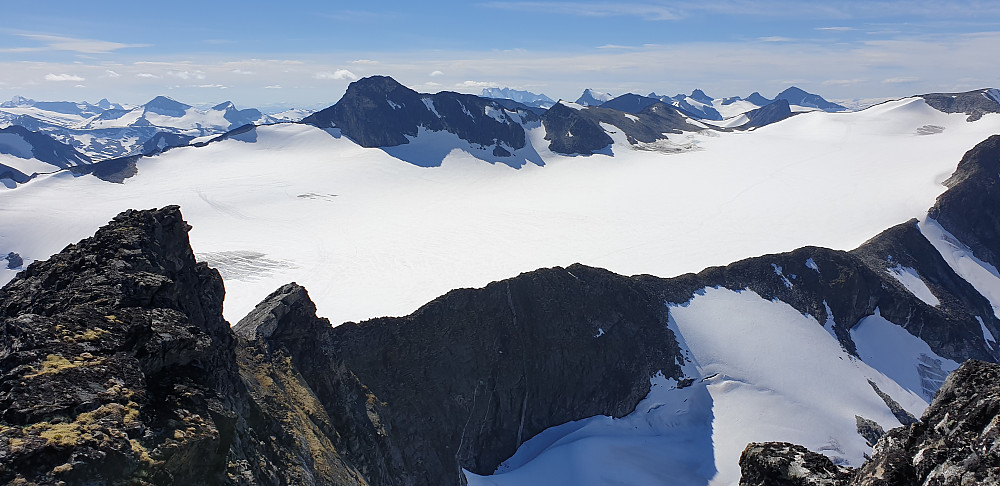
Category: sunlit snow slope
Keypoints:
(372, 235)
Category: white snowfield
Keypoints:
(371, 235)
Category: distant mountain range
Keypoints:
(106, 139)
(109, 130)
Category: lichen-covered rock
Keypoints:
(784, 464)
(114, 361)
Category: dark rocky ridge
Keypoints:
(571, 131)
(377, 111)
(974, 103)
(956, 442)
(968, 208)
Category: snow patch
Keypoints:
(429, 103)
(784, 280)
(916, 285)
(393, 105)
(498, 115)
(810, 263)
(901, 356)
(762, 389)
(572, 105)
(669, 435)
(981, 275)
(987, 334)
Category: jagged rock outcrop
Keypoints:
(14, 260)
(784, 464)
(117, 367)
(116, 364)
(956, 442)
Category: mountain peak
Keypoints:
(17, 101)
(163, 105)
(225, 105)
(700, 96)
(800, 97)
(757, 99)
(593, 98)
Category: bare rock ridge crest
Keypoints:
(116, 365)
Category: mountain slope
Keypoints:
(796, 96)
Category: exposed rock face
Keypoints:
(377, 111)
(973, 103)
(528, 359)
(116, 362)
(956, 442)
(784, 464)
(768, 114)
(116, 366)
(968, 208)
(572, 131)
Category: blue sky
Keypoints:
(302, 53)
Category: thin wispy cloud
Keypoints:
(647, 11)
(774, 38)
(833, 9)
(62, 77)
(836, 29)
(73, 44)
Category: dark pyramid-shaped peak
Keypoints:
(700, 96)
(757, 99)
(163, 105)
(105, 104)
(800, 97)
